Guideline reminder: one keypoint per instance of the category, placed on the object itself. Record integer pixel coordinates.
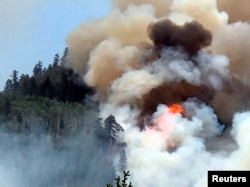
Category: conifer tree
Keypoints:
(56, 60)
(8, 88)
(15, 80)
(64, 57)
(37, 68)
(112, 128)
(122, 182)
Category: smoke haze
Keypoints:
(33, 158)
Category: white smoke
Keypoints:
(124, 66)
(151, 164)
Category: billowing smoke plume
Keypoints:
(128, 27)
(191, 36)
(145, 56)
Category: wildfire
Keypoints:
(164, 125)
(176, 108)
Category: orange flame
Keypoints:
(176, 108)
(165, 122)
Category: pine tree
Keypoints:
(112, 128)
(65, 55)
(15, 80)
(8, 88)
(38, 68)
(122, 182)
(56, 60)
(24, 84)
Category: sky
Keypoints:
(35, 30)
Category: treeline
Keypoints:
(55, 82)
(51, 99)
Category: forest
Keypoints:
(49, 121)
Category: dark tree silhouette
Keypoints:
(65, 55)
(38, 68)
(122, 182)
(8, 88)
(112, 128)
(24, 86)
(15, 80)
(56, 60)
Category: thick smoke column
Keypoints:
(146, 55)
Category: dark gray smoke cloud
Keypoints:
(174, 93)
(191, 36)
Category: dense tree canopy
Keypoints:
(52, 97)
(55, 81)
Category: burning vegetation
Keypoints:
(180, 64)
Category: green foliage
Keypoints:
(122, 182)
(55, 82)
(49, 115)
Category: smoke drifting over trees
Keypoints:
(151, 54)
(50, 134)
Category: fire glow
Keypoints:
(172, 109)
(176, 108)
(143, 59)
(165, 122)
